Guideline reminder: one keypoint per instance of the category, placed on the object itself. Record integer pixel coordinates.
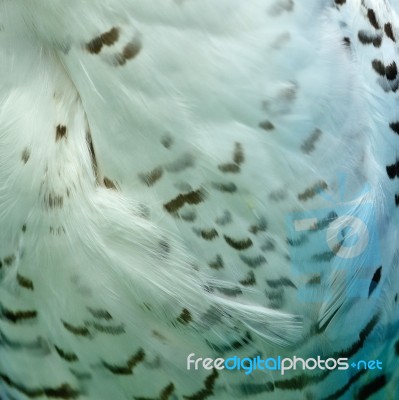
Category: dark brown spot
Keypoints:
(378, 67)
(253, 262)
(395, 127)
(70, 357)
(76, 330)
(207, 391)
(240, 244)
(24, 282)
(132, 49)
(391, 71)
(185, 317)
(9, 260)
(372, 18)
(194, 197)
(277, 283)
(209, 234)
(266, 125)
(238, 155)
(61, 392)
(150, 178)
(164, 395)
(127, 368)
(111, 37)
(95, 45)
(346, 41)
(129, 52)
(249, 280)
(18, 316)
(167, 141)
(107, 329)
(312, 191)
(366, 37)
(314, 280)
(229, 167)
(60, 132)
(393, 170)
(25, 155)
(109, 184)
(340, 2)
(100, 313)
(261, 226)
(388, 31)
(55, 201)
(218, 263)
(107, 39)
(309, 144)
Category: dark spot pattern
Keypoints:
(217, 263)
(64, 391)
(77, 330)
(281, 282)
(128, 367)
(389, 31)
(261, 226)
(130, 51)
(16, 317)
(253, 262)
(194, 197)
(150, 178)
(308, 145)
(393, 170)
(373, 18)
(106, 39)
(209, 234)
(266, 125)
(312, 191)
(372, 387)
(69, 357)
(207, 390)
(107, 329)
(238, 159)
(25, 282)
(185, 317)
(366, 37)
(109, 184)
(25, 155)
(230, 187)
(60, 132)
(249, 280)
(375, 280)
(395, 127)
(100, 313)
(54, 201)
(165, 394)
(238, 244)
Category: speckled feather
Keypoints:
(149, 156)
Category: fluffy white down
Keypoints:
(213, 83)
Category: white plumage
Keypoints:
(152, 157)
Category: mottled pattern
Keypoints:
(150, 159)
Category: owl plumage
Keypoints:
(155, 159)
